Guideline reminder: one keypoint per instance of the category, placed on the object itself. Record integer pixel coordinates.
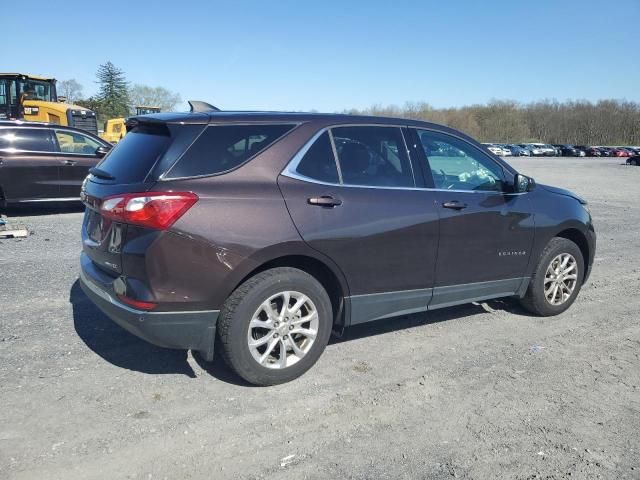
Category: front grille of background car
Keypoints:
(88, 123)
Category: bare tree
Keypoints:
(70, 89)
(153, 97)
(581, 122)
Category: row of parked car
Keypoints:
(559, 150)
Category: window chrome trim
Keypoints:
(290, 170)
(335, 156)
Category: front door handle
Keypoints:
(454, 205)
(325, 201)
(70, 162)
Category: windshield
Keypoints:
(37, 90)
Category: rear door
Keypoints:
(352, 193)
(76, 155)
(29, 169)
(486, 231)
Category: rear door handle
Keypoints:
(70, 162)
(325, 201)
(454, 205)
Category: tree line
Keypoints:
(116, 97)
(577, 122)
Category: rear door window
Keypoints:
(27, 139)
(373, 156)
(319, 162)
(222, 148)
(134, 156)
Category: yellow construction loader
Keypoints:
(114, 129)
(31, 98)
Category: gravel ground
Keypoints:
(478, 391)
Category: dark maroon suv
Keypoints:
(266, 231)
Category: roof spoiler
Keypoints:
(202, 107)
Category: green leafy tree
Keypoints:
(113, 95)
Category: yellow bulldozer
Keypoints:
(31, 98)
(114, 128)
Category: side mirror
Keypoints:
(101, 151)
(522, 183)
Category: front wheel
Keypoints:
(274, 327)
(557, 279)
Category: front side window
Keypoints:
(373, 156)
(457, 165)
(27, 139)
(74, 142)
(222, 148)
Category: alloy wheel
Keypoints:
(561, 279)
(283, 329)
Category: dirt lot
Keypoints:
(479, 391)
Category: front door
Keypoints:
(29, 169)
(486, 230)
(77, 154)
(361, 208)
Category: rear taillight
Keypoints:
(138, 304)
(158, 210)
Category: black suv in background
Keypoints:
(269, 230)
(42, 161)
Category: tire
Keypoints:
(247, 303)
(535, 300)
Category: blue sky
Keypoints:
(333, 55)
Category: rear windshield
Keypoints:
(224, 147)
(133, 157)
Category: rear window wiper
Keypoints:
(96, 172)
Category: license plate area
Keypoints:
(97, 227)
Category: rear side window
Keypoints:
(222, 148)
(29, 139)
(133, 157)
(319, 162)
(373, 156)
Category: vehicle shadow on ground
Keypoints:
(124, 350)
(36, 210)
(119, 347)
(388, 325)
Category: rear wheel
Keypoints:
(557, 279)
(275, 326)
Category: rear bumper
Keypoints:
(193, 330)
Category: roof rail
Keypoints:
(202, 107)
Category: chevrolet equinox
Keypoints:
(262, 232)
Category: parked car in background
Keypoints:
(634, 160)
(269, 230)
(629, 150)
(496, 150)
(539, 149)
(506, 151)
(606, 151)
(566, 150)
(518, 151)
(587, 151)
(45, 162)
(620, 152)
